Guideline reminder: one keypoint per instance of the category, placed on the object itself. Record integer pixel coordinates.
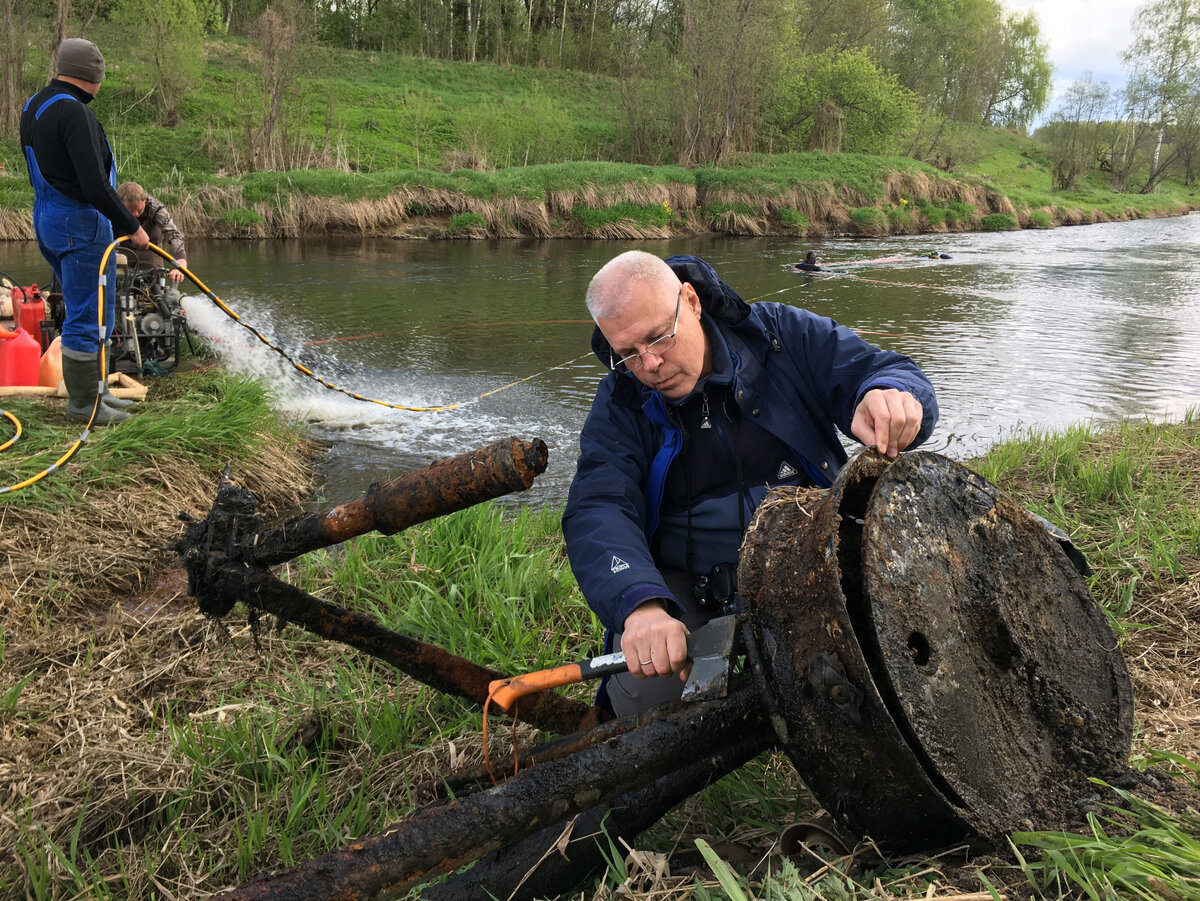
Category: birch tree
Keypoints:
(1164, 70)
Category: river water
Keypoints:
(1018, 330)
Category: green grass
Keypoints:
(868, 219)
(718, 208)
(241, 217)
(1136, 850)
(795, 219)
(204, 418)
(1008, 158)
(462, 222)
(998, 222)
(649, 215)
(762, 174)
(480, 582)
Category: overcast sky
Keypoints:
(1083, 35)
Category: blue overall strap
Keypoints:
(49, 101)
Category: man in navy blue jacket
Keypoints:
(709, 402)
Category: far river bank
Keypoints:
(799, 195)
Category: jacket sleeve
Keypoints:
(171, 233)
(607, 512)
(841, 367)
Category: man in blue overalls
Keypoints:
(75, 212)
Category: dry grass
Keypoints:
(16, 226)
(96, 766)
(117, 538)
(1164, 660)
(97, 628)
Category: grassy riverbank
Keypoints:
(382, 144)
(148, 752)
(803, 194)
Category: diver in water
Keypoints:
(810, 264)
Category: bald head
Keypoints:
(612, 287)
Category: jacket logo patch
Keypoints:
(619, 565)
(787, 471)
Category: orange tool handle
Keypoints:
(506, 691)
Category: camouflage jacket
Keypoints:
(162, 231)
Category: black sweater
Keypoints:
(72, 152)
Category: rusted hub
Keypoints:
(935, 663)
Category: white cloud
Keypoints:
(1083, 35)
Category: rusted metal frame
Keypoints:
(456, 785)
(427, 663)
(451, 834)
(554, 861)
(443, 487)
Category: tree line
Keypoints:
(700, 82)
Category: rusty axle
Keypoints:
(447, 835)
(443, 487)
(538, 867)
(427, 663)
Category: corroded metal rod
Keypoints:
(443, 487)
(448, 835)
(427, 663)
(537, 867)
(462, 783)
(227, 553)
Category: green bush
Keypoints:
(656, 215)
(959, 212)
(868, 219)
(794, 219)
(998, 222)
(241, 217)
(899, 218)
(465, 221)
(1041, 219)
(932, 214)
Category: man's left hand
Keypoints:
(175, 275)
(887, 420)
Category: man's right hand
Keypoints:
(140, 239)
(654, 642)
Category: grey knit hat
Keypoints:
(80, 59)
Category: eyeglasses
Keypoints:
(658, 346)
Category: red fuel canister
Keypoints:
(29, 310)
(20, 358)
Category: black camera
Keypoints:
(717, 591)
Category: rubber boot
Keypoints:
(82, 381)
(107, 397)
